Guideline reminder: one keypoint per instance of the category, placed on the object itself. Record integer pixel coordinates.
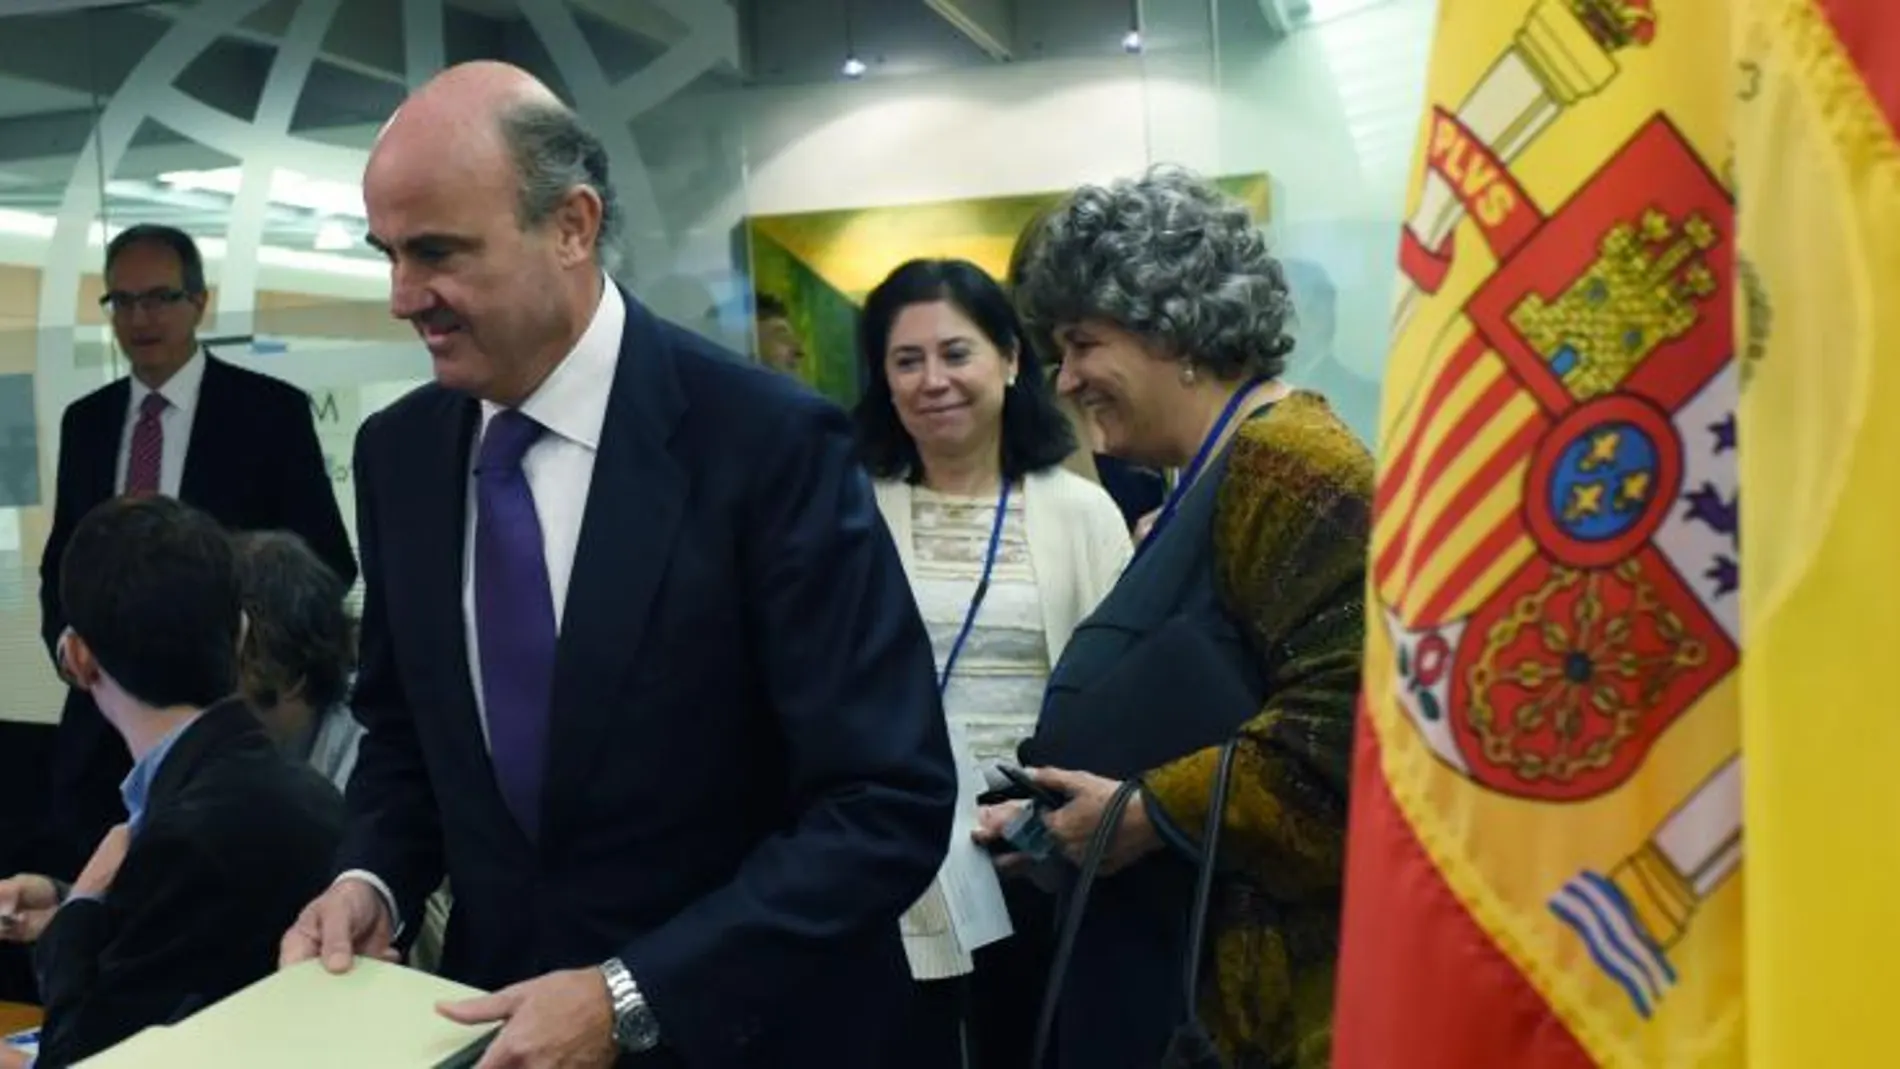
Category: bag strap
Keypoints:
(1091, 866)
(1204, 883)
(1072, 917)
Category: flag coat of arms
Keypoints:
(1546, 854)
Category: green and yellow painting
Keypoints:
(822, 264)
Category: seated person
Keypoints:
(295, 667)
(299, 651)
(226, 840)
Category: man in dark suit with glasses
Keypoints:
(238, 445)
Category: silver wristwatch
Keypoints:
(636, 1030)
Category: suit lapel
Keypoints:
(202, 456)
(634, 507)
(103, 439)
(441, 554)
(895, 499)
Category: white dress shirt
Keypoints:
(572, 404)
(181, 395)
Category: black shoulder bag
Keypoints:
(1190, 1047)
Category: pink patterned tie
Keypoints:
(148, 448)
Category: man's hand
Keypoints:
(347, 920)
(96, 878)
(1074, 824)
(11, 1058)
(563, 1020)
(27, 904)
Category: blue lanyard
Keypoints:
(1193, 470)
(982, 589)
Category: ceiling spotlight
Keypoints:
(1131, 42)
(853, 67)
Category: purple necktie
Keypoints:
(514, 615)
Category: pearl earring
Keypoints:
(1187, 374)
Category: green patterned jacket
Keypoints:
(1291, 531)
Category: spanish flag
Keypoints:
(1818, 175)
(1544, 863)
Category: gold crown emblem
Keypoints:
(1617, 24)
(1648, 287)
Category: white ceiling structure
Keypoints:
(61, 59)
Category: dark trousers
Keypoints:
(933, 1036)
(17, 983)
(988, 1017)
(1010, 980)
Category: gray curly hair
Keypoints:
(1167, 256)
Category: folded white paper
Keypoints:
(376, 1016)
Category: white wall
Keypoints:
(1332, 113)
(1329, 112)
(1021, 128)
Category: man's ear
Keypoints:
(76, 658)
(577, 223)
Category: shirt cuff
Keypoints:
(63, 893)
(382, 891)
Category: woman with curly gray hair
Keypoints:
(1234, 633)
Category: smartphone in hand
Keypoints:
(1031, 790)
(1025, 834)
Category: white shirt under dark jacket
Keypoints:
(174, 423)
(572, 404)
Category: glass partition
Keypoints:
(800, 148)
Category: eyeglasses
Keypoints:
(151, 300)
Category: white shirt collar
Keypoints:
(181, 390)
(572, 400)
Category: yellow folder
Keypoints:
(376, 1016)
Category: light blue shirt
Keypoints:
(136, 788)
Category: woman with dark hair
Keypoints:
(295, 668)
(1235, 631)
(299, 651)
(1005, 550)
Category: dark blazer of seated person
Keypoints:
(226, 838)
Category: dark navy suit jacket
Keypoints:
(749, 775)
